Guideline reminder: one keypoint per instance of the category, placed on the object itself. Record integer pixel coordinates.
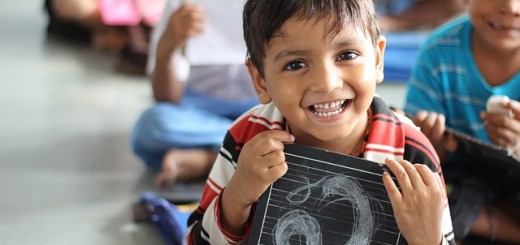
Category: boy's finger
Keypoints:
(515, 108)
(426, 174)
(502, 137)
(400, 174)
(278, 170)
(419, 117)
(415, 177)
(393, 192)
(441, 185)
(269, 141)
(273, 158)
(439, 127)
(428, 126)
(438, 183)
(281, 135)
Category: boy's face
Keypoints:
(322, 83)
(497, 22)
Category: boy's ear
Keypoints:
(259, 83)
(380, 55)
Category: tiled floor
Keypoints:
(67, 174)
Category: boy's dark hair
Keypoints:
(262, 18)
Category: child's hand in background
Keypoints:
(504, 129)
(188, 21)
(433, 127)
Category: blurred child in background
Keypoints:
(461, 65)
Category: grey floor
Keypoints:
(67, 174)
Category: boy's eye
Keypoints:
(295, 65)
(348, 55)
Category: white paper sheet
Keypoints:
(223, 39)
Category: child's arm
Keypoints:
(186, 22)
(504, 129)
(261, 162)
(418, 207)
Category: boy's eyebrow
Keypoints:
(290, 53)
(336, 45)
(348, 42)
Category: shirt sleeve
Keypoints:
(424, 91)
(204, 224)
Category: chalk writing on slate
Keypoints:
(325, 198)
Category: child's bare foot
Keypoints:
(168, 173)
(184, 166)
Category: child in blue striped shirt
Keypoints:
(460, 66)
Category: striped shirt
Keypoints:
(390, 136)
(447, 80)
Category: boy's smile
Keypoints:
(496, 22)
(504, 28)
(323, 82)
(325, 110)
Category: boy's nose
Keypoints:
(510, 7)
(326, 79)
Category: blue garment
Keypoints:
(197, 122)
(446, 80)
(402, 49)
(170, 221)
(392, 6)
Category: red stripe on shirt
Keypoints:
(208, 194)
(394, 153)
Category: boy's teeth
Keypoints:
(328, 105)
(502, 27)
(328, 109)
(328, 114)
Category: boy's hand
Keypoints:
(261, 162)
(188, 21)
(502, 129)
(418, 207)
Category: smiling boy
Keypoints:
(315, 65)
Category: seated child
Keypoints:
(180, 135)
(460, 66)
(315, 66)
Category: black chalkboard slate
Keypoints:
(498, 165)
(325, 198)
